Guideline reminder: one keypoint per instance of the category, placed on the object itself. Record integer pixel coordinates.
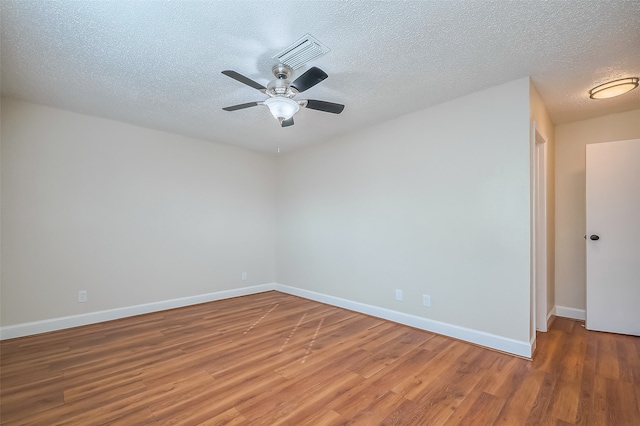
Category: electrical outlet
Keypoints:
(398, 294)
(82, 296)
(244, 276)
(426, 300)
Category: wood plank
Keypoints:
(319, 397)
(378, 410)
(432, 371)
(368, 392)
(622, 409)
(478, 407)
(324, 417)
(525, 386)
(385, 354)
(231, 417)
(564, 405)
(607, 360)
(499, 376)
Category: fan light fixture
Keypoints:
(281, 91)
(613, 88)
(282, 108)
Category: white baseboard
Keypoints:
(563, 311)
(533, 343)
(37, 327)
(573, 313)
(551, 316)
(504, 344)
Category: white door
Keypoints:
(613, 237)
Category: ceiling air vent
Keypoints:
(301, 52)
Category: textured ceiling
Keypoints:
(157, 64)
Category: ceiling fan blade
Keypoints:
(241, 106)
(309, 79)
(324, 106)
(287, 123)
(242, 79)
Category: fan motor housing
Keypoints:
(281, 85)
(282, 71)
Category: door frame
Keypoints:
(539, 233)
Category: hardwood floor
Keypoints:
(273, 358)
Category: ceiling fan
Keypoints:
(281, 92)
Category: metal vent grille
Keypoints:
(301, 52)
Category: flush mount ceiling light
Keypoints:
(613, 88)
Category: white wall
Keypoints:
(571, 140)
(129, 214)
(436, 202)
